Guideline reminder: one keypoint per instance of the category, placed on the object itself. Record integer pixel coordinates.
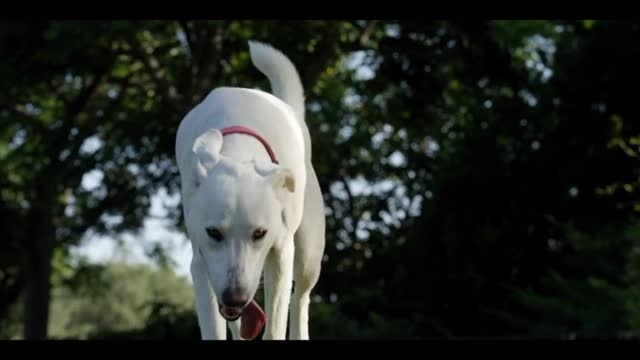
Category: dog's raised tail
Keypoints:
(285, 81)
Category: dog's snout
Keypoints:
(235, 297)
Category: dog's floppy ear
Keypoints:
(207, 147)
(283, 180)
(280, 178)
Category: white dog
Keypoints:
(252, 202)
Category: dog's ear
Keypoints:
(280, 178)
(207, 147)
(283, 180)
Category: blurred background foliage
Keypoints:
(480, 177)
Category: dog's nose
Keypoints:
(234, 298)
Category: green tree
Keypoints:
(108, 97)
(97, 300)
(472, 170)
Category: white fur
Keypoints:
(230, 184)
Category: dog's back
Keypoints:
(286, 87)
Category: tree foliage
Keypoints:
(480, 177)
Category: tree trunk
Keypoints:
(39, 246)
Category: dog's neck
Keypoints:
(243, 130)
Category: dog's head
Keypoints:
(234, 215)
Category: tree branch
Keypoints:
(187, 33)
(75, 173)
(151, 63)
(366, 33)
(210, 59)
(356, 219)
(73, 109)
(326, 51)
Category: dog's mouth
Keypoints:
(230, 313)
(253, 318)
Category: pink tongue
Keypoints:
(253, 320)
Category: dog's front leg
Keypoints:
(278, 279)
(234, 327)
(212, 324)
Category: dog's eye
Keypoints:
(258, 234)
(214, 233)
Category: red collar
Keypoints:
(247, 131)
